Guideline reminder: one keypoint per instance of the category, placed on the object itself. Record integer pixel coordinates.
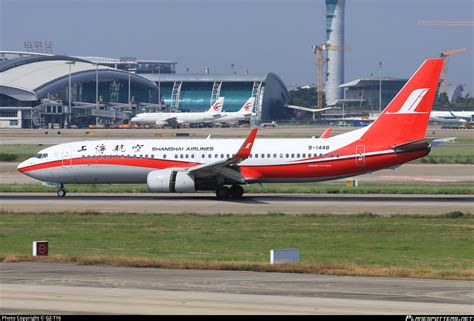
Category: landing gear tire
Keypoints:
(61, 192)
(223, 193)
(236, 191)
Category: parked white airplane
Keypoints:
(463, 117)
(161, 119)
(397, 136)
(244, 113)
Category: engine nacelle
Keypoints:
(161, 123)
(170, 181)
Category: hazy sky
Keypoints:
(261, 35)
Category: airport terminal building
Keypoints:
(35, 90)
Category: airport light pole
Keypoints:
(159, 87)
(68, 114)
(97, 86)
(129, 87)
(380, 87)
(97, 91)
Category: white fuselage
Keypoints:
(228, 117)
(452, 117)
(180, 118)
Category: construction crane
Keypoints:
(320, 60)
(444, 55)
(441, 23)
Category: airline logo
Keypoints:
(412, 102)
(217, 106)
(247, 106)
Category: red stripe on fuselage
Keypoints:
(316, 169)
(139, 162)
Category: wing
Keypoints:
(228, 167)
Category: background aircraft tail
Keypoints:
(247, 108)
(217, 106)
(406, 117)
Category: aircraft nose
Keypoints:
(23, 165)
(134, 119)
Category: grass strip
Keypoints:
(309, 188)
(397, 246)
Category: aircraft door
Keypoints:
(66, 157)
(360, 158)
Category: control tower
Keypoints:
(335, 38)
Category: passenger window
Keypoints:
(222, 155)
(192, 155)
(281, 155)
(256, 155)
(187, 156)
(227, 155)
(298, 155)
(274, 155)
(250, 156)
(210, 155)
(304, 155)
(292, 155)
(181, 156)
(164, 156)
(332, 155)
(269, 156)
(203, 155)
(337, 155)
(287, 155)
(152, 156)
(175, 155)
(263, 155)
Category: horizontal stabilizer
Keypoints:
(422, 144)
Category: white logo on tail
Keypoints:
(412, 102)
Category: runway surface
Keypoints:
(31, 288)
(58, 136)
(207, 204)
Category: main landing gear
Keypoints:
(226, 193)
(61, 191)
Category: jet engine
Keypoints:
(170, 181)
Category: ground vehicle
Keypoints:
(272, 124)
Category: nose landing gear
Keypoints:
(61, 191)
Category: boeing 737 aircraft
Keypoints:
(162, 119)
(244, 113)
(397, 136)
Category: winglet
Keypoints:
(326, 133)
(246, 147)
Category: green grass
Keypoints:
(423, 246)
(19, 153)
(449, 154)
(309, 188)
